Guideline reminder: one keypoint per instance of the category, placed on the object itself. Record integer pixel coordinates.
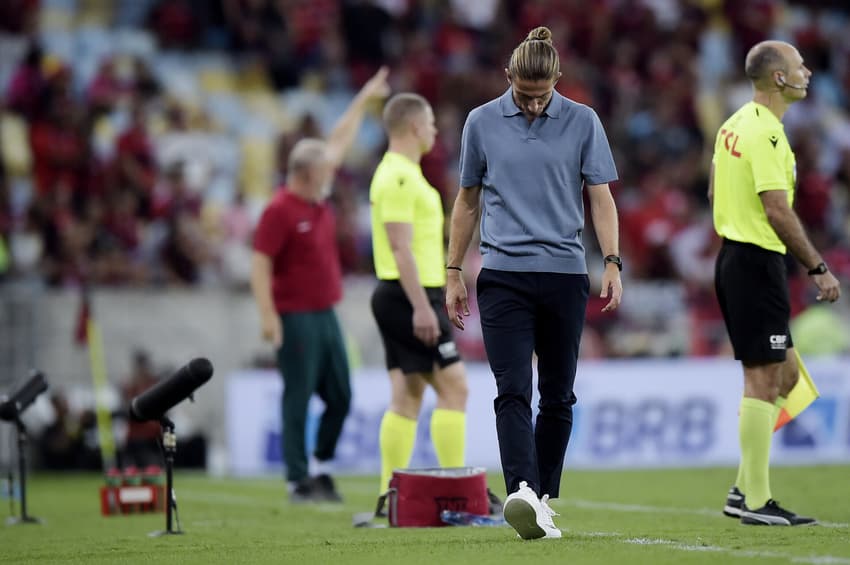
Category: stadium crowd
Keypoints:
(140, 138)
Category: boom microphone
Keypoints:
(12, 407)
(161, 397)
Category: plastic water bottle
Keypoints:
(113, 477)
(132, 477)
(457, 518)
(153, 475)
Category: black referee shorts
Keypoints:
(394, 315)
(752, 289)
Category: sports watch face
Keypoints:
(614, 259)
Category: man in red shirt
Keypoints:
(296, 280)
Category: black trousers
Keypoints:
(523, 313)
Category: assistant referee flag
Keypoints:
(804, 393)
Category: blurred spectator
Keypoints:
(6, 259)
(59, 445)
(115, 122)
(89, 457)
(5, 199)
(145, 85)
(19, 16)
(184, 254)
(142, 446)
(174, 23)
(136, 165)
(171, 196)
(107, 88)
(261, 27)
(59, 148)
(237, 227)
(26, 90)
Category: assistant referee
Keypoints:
(408, 247)
(752, 190)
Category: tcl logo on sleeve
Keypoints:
(730, 142)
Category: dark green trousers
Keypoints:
(312, 360)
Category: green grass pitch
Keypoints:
(633, 517)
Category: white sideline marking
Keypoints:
(813, 559)
(680, 546)
(641, 508)
(594, 534)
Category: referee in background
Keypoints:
(752, 190)
(407, 239)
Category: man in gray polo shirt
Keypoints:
(531, 151)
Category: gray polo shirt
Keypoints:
(531, 176)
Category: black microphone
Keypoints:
(161, 397)
(14, 406)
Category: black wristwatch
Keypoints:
(819, 270)
(616, 260)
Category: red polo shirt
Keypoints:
(300, 238)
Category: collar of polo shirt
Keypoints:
(509, 107)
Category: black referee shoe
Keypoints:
(734, 502)
(771, 514)
(325, 489)
(303, 492)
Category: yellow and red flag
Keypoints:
(804, 393)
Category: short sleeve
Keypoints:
(397, 198)
(767, 152)
(597, 162)
(472, 161)
(270, 235)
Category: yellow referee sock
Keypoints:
(739, 481)
(397, 436)
(756, 433)
(448, 434)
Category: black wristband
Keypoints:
(453, 268)
(614, 259)
(819, 270)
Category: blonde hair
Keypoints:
(400, 108)
(536, 57)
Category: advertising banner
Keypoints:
(652, 413)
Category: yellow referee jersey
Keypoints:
(400, 193)
(751, 155)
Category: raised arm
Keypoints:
(345, 129)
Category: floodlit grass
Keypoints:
(634, 517)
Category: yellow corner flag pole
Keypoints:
(804, 393)
(98, 374)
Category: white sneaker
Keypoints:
(525, 513)
(548, 524)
